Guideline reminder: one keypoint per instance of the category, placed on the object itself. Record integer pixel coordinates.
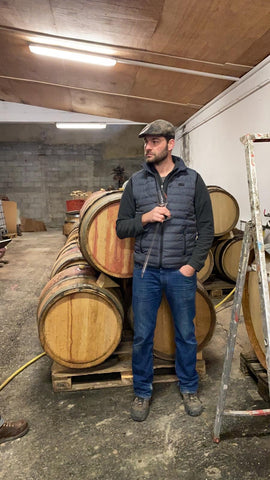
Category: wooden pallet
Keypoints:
(216, 287)
(9, 235)
(250, 365)
(114, 372)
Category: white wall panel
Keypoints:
(210, 140)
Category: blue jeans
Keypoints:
(146, 298)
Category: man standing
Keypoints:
(167, 208)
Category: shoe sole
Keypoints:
(193, 414)
(139, 419)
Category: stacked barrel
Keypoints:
(251, 304)
(81, 310)
(224, 256)
(73, 207)
(86, 305)
(71, 220)
(80, 322)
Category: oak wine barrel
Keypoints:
(205, 320)
(71, 221)
(74, 233)
(71, 241)
(72, 256)
(99, 243)
(227, 256)
(66, 247)
(225, 210)
(252, 312)
(207, 269)
(79, 323)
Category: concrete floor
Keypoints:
(89, 434)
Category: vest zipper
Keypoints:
(164, 196)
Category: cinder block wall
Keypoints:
(40, 166)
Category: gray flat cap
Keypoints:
(160, 128)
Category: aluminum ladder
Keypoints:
(253, 234)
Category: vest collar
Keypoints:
(178, 162)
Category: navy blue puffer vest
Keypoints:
(175, 238)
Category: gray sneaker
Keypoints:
(192, 404)
(140, 409)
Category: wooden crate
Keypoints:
(114, 372)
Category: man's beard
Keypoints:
(159, 158)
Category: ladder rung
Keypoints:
(248, 413)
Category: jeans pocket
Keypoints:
(188, 277)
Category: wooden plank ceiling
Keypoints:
(222, 37)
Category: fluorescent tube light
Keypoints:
(81, 125)
(72, 44)
(72, 55)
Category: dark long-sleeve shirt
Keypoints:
(129, 222)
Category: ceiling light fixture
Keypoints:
(80, 125)
(72, 44)
(110, 62)
(72, 55)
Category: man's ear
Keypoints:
(171, 144)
